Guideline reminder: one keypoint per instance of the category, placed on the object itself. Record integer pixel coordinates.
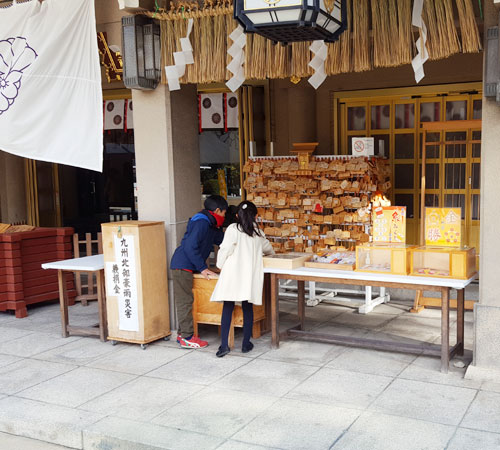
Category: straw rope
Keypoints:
(379, 34)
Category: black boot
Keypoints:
(245, 348)
(223, 351)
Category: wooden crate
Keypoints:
(383, 258)
(207, 312)
(286, 260)
(443, 262)
(150, 264)
(22, 280)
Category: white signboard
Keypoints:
(121, 282)
(363, 146)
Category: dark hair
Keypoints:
(215, 201)
(247, 212)
(230, 218)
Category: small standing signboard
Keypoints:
(389, 224)
(443, 227)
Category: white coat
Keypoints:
(242, 272)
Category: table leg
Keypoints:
(460, 321)
(275, 320)
(267, 301)
(63, 302)
(445, 329)
(301, 304)
(101, 304)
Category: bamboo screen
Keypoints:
(379, 34)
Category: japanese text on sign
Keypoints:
(389, 224)
(443, 227)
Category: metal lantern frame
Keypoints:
(315, 19)
(141, 52)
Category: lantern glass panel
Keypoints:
(261, 4)
(129, 53)
(140, 51)
(157, 48)
(309, 14)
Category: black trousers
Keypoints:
(227, 315)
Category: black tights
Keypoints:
(225, 325)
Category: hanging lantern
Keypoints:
(293, 20)
(141, 52)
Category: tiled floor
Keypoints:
(82, 393)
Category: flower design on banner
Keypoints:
(15, 57)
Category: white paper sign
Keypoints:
(125, 284)
(363, 146)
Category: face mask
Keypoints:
(219, 219)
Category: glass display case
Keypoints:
(383, 258)
(443, 262)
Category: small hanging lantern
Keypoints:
(141, 52)
(293, 20)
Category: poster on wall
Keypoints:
(121, 282)
(443, 227)
(389, 224)
(363, 146)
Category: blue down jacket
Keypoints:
(198, 241)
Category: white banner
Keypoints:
(212, 112)
(114, 114)
(232, 110)
(50, 83)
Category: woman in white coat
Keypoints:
(242, 274)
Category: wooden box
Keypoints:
(344, 261)
(22, 280)
(135, 264)
(286, 260)
(383, 258)
(207, 312)
(443, 262)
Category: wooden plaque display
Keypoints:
(136, 281)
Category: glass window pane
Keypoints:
(356, 118)
(381, 145)
(477, 109)
(476, 148)
(475, 206)
(454, 176)
(432, 150)
(404, 146)
(476, 176)
(458, 149)
(405, 200)
(404, 116)
(403, 176)
(380, 117)
(431, 176)
(456, 110)
(429, 111)
(432, 200)
(455, 201)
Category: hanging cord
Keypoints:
(156, 8)
(480, 9)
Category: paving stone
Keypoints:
(231, 444)
(421, 329)
(132, 359)
(484, 413)
(291, 424)
(374, 431)
(428, 368)
(465, 439)
(80, 352)
(9, 334)
(115, 433)
(45, 422)
(304, 352)
(490, 386)
(371, 320)
(33, 343)
(425, 401)
(25, 373)
(199, 367)
(76, 387)
(142, 399)
(371, 361)
(227, 413)
(340, 388)
(11, 442)
(265, 377)
(5, 360)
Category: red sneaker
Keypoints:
(193, 342)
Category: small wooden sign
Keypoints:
(389, 224)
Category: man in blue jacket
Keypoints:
(203, 232)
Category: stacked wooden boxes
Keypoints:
(325, 205)
(22, 280)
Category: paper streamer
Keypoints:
(236, 51)
(181, 59)
(422, 54)
(320, 51)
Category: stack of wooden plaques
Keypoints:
(326, 206)
(22, 279)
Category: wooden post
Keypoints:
(63, 302)
(460, 321)
(301, 304)
(275, 331)
(445, 330)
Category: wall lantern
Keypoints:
(293, 20)
(141, 52)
